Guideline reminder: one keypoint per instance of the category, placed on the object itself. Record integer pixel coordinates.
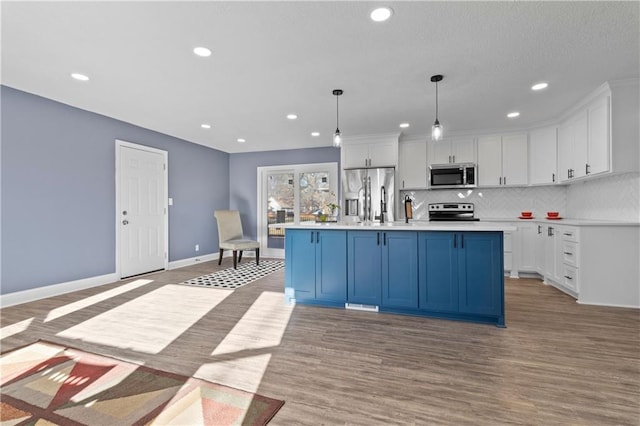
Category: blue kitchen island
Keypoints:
(452, 271)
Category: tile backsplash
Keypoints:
(614, 197)
(609, 198)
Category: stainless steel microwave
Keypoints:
(445, 176)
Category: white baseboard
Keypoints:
(193, 260)
(33, 294)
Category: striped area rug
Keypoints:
(230, 279)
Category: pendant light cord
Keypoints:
(436, 101)
(337, 113)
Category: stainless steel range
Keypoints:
(452, 212)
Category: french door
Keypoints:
(292, 194)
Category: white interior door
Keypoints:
(142, 201)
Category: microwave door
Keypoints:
(446, 177)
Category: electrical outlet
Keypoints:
(197, 247)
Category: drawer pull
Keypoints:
(568, 234)
(570, 254)
(568, 277)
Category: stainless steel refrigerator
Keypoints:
(367, 192)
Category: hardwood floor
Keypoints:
(556, 363)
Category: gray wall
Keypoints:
(243, 177)
(58, 191)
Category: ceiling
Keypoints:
(270, 59)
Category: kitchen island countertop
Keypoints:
(461, 226)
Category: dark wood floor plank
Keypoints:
(556, 363)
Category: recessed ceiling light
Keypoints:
(404, 125)
(202, 51)
(315, 134)
(292, 116)
(80, 77)
(381, 14)
(241, 140)
(205, 126)
(539, 86)
(513, 114)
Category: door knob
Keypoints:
(125, 222)
(124, 212)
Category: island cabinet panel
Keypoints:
(364, 254)
(438, 276)
(461, 273)
(316, 266)
(399, 269)
(480, 273)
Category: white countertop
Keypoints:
(565, 221)
(411, 226)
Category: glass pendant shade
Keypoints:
(337, 138)
(436, 131)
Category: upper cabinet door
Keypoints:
(440, 152)
(412, 165)
(599, 141)
(355, 155)
(580, 145)
(543, 157)
(490, 161)
(514, 160)
(383, 154)
(463, 150)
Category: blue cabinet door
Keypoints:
(438, 271)
(399, 269)
(480, 272)
(331, 266)
(300, 266)
(364, 256)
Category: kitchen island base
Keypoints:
(448, 274)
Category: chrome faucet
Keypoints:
(383, 203)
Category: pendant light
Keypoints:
(436, 129)
(337, 136)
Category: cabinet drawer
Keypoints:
(570, 253)
(570, 234)
(570, 278)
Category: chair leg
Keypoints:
(220, 257)
(235, 259)
(257, 256)
(240, 257)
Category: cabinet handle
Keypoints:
(378, 238)
(539, 229)
(403, 184)
(587, 169)
(311, 237)
(461, 241)
(384, 238)
(568, 277)
(568, 234)
(500, 180)
(450, 159)
(455, 239)
(553, 177)
(454, 158)
(569, 253)
(317, 237)
(505, 180)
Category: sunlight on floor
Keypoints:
(16, 328)
(80, 304)
(261, 327)
(150, 322)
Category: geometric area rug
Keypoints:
(45, 383)
(233, 278)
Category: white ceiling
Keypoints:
(274, 58)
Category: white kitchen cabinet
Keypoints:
(540, 249)
(502, 160)
(598, 137)
(459, 150)
(584, 141)
(412, 164)
(527, 247)
(508, 254)
(553, 266)
(562, 258)
(382, 153)
(543, 156)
